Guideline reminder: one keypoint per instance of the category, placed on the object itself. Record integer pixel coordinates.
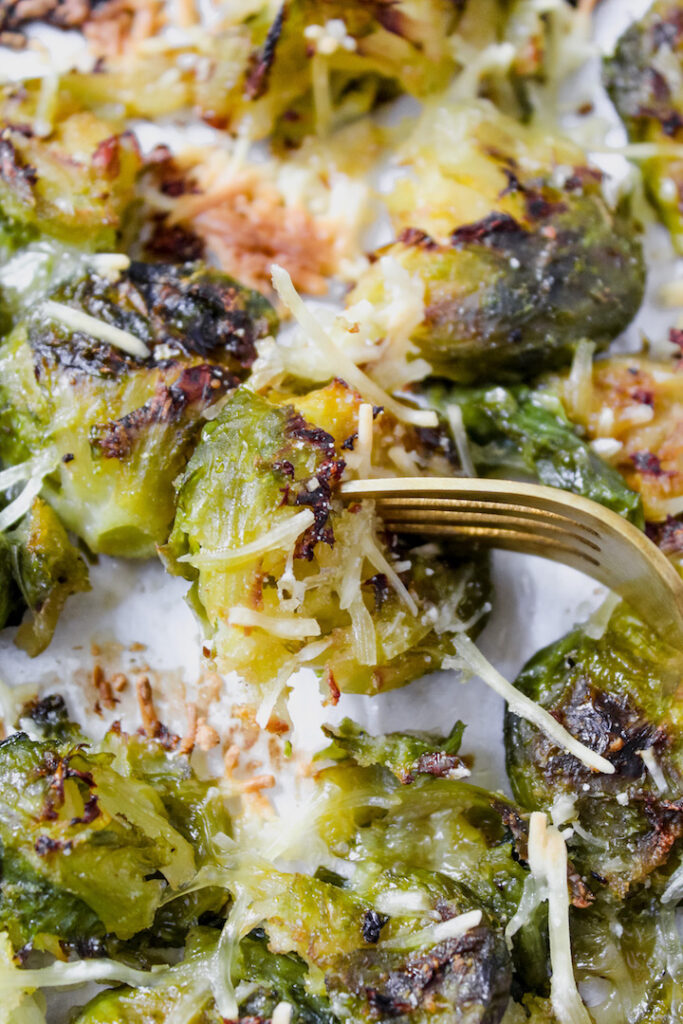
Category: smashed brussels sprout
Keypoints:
(268, 978)
(524, 429)
(394, 941)
(292, 69)
(113, 423)
(632, 407)
(95, 837)
(283, 575)
(41, 568)
(518, 251)
(614, 687)
(644, 80)
(72, 176)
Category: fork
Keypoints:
(536, 520)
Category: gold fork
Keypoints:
(537, 520)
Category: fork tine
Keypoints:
(513, 540)
(394, 504)
(534, 526)
(537, 520)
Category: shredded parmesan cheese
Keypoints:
(282, 1014)
(397, 903)
(548, 864)
(22, 503)
(110, 264)
(360, 458)
(579, 391)
(288, 626)
(674, 889)
(76, 320)
(522, 706)
(650, 761)
(339, 362)
(435, 933)
(454, 413)
(22, 471)
(283, 535)
(597, 624)
(377, 559)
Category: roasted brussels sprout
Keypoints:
(412, 931)
(627, 956)
(614, 687)
(107, 384)
(324, 63)
(523, 429)
(428, 834)
(387, 828)
(632, 408)
(94, 837)
(435, 956)
(519, 253)
(625, 960)
(71, 177)
(11, 603)
(283, 575)
(292, 68)
(643, 79)
(42, 569)
(269, 979)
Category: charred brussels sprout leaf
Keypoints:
(94, 837)
(518, 263)
(616, 692)
(115, 427)
(45, 569)
(404, 754)
(643, 79)
(522, 429)
(283, 575)
(381, 966)
(73, 178)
